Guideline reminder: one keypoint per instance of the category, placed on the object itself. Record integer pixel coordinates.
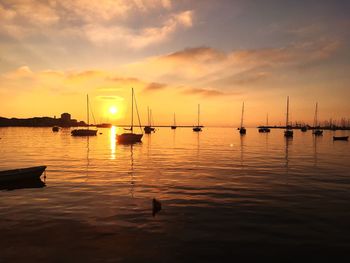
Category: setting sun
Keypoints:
(113, 110)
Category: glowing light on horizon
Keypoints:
(113, 110)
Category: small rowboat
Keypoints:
(15, 175)
(340, 138)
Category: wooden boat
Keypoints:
(265, 129)
(131, 137)
(30, 173)
(340, 138)
(197, 128)
(288, 133)
(85, 132)
(55, 128)
(316, 131)
(173, 127)
(242, 130)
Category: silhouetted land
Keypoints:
(333, 128)
(64, 121)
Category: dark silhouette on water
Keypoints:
(242, 130)
(22, 184)
(340, 138)
(149, 129)
(265, 129)
(156, 206)
(55, 128)
(85, 132)
(173, 127)
(197, 128)
(131, 137)
(288, 133)
(316, 131)
(17, 175)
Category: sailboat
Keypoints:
(317, 131)
(242, 130)
(148, 129)
(131, 137)
(197, 128)
(85, 132)
(173, 127)
(265, 129)
(288, 132)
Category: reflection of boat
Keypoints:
(340, 138)
(16, 175)
(131, 137)
(148, 129)
(242, 130)
(104, 125)
(173, 127)
(197, 128)
(288, 132)
(85, 132)
(55, 128)
(265, 129)
(317, 131)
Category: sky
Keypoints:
(176, 55)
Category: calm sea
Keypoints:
(224, 197)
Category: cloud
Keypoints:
(140, 38)
(205, 92)
(154, 87)
(117, 98)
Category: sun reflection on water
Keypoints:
(113, 142)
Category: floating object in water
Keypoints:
(55, 128)
(242, 130)
(100, 132)
(197, 128)
(340, 138)
(288, 133)
(21, 174)
(131, 137)
(303, 129)
(156, 206)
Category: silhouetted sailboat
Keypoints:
(197, 128)
(303, 128)
(173, 127)
(148, 129)
(131, 137)
(317, 131)
(242, 130)
(85, 132)
(265, 129)
(55, 128)
(288, 132)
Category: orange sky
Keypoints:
(175, 54)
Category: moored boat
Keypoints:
(288, 133)
(14, 175)
(173, 127)
(316, 131)
(242, 130)
(340, 138)
(265, 129)
(197, 128)
(85, 132)
(55, 128)
(130, 137)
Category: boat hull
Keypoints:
(55, 129)
(318, 133)
(340, 138)
(31, 173)
(197, 129)
(288, 133)
(264, 130)
(128, 138)
(83, 132)
(173, 127)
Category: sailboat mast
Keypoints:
(174, 120)
(242, 115)
(87, 110)
(315, 120)
(267, 119)
(150, 118)
(287, 117)
(198, 114)
(149, 123)
(132, 110)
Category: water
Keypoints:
(224, 197)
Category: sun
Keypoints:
(113, 110)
